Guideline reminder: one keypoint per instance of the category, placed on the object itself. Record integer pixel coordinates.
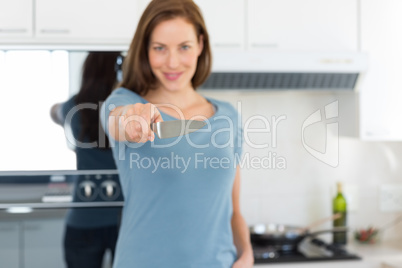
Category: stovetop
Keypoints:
(60, 189)
(310, 250)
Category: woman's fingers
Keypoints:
(148, 112)
(140, 122)
(131, 127)
(137, 122)
(155, 117)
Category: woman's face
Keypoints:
(173, 54)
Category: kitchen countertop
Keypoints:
(383, 254)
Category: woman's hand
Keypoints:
(137, 122)
(245, 261)
(134, 122)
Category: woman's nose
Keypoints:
(173, 60)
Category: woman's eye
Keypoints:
(158, 48)
(185, 47)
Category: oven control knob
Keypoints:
(110, 190)
(86, 190)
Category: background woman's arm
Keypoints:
(241, 234)
(55, 113)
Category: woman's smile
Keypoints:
(173, 76)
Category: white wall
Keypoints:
(302, 192)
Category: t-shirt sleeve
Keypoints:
(119, 97)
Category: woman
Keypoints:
(181, 209)
(81, 115)
(90, 231)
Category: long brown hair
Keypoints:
(98, 81)
(137, 73)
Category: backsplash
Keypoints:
(301, 191)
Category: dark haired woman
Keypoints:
(181, 207)
(90, 231)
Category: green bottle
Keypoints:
(339, 206)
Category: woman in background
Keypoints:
(90, 231)
(183, 212)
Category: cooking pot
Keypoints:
(283, 237)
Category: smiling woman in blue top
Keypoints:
(181, 194)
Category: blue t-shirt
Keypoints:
(178, 192)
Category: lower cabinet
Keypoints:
(32, 243)
(9, 244)
(43, 243)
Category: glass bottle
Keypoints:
(339, 206)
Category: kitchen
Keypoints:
(291, 184)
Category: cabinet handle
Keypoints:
(55, 31)
(13, 30)
(229, 45)
(265, 45)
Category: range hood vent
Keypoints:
(287, 70)
(325, 81)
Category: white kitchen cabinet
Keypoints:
(381, 94)
(308, 25)
(43, 243)
(225, 21)
(234, 25)
(85, 21)
(16, 18)
(9, 244)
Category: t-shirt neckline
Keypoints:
(215, 106)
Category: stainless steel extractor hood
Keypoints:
(287, 71)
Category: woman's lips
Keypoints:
(172, 76)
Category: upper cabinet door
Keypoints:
(225, 21)
(307, 25)
(88, 20)
(15, 18)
